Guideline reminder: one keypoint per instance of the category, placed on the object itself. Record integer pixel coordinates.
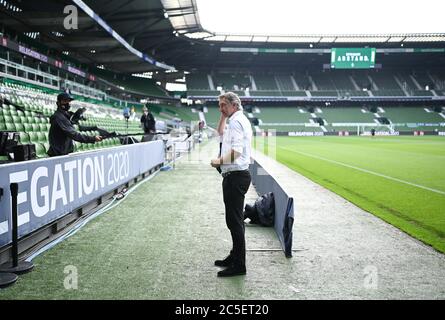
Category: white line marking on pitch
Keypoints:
(368, 171)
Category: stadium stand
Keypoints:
(265, 93)
(197, 81)
(132, 84)
(352, 115)
(386, 85)
(265, 82)
(33, 122)
(338, 83)
(422, 93)
(198, 85)
(407, 81)
(384, 81)
(284, 82)
(424, 79)
(341, 80)
(323, 81)
(291, 128)
(361, 79)
(293, 93)
(212, 116)
(335, 119)
(231, 82)
(325, 93)
(411, 115)
(285, 115)
(199, 93)
(284, 119)
(302, 81)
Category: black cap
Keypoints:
(64, 96)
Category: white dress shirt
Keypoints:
(238, 137)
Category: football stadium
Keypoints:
(115, 119)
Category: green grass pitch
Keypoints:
(399, 179)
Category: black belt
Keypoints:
(225, 174)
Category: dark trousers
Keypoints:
(235, 186)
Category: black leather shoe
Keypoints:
(224, 263)
(232, 271)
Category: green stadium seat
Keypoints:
(8, 119)
(33, 136)
(42, 126)
(24, 138)
(2, 126)
(28, 127)
(40, 150)
(76, 146)
(35, 127)
(41, 137)
(19, 127)
(10, 126)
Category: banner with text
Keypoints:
(52, 188)
(352, 58)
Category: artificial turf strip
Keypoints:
(160, 243)
(419, 160)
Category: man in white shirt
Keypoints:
(234, 163)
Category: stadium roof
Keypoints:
(320, 21)
(322, 18)
(132, 36)
(110, 32)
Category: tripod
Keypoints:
(126, 139)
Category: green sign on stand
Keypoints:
(352, 58)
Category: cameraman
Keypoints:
(148, 122)
(62, 132)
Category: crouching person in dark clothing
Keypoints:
(62, 132)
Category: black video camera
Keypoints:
(126, 113)
(77, 116)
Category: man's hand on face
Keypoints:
(215, 163)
